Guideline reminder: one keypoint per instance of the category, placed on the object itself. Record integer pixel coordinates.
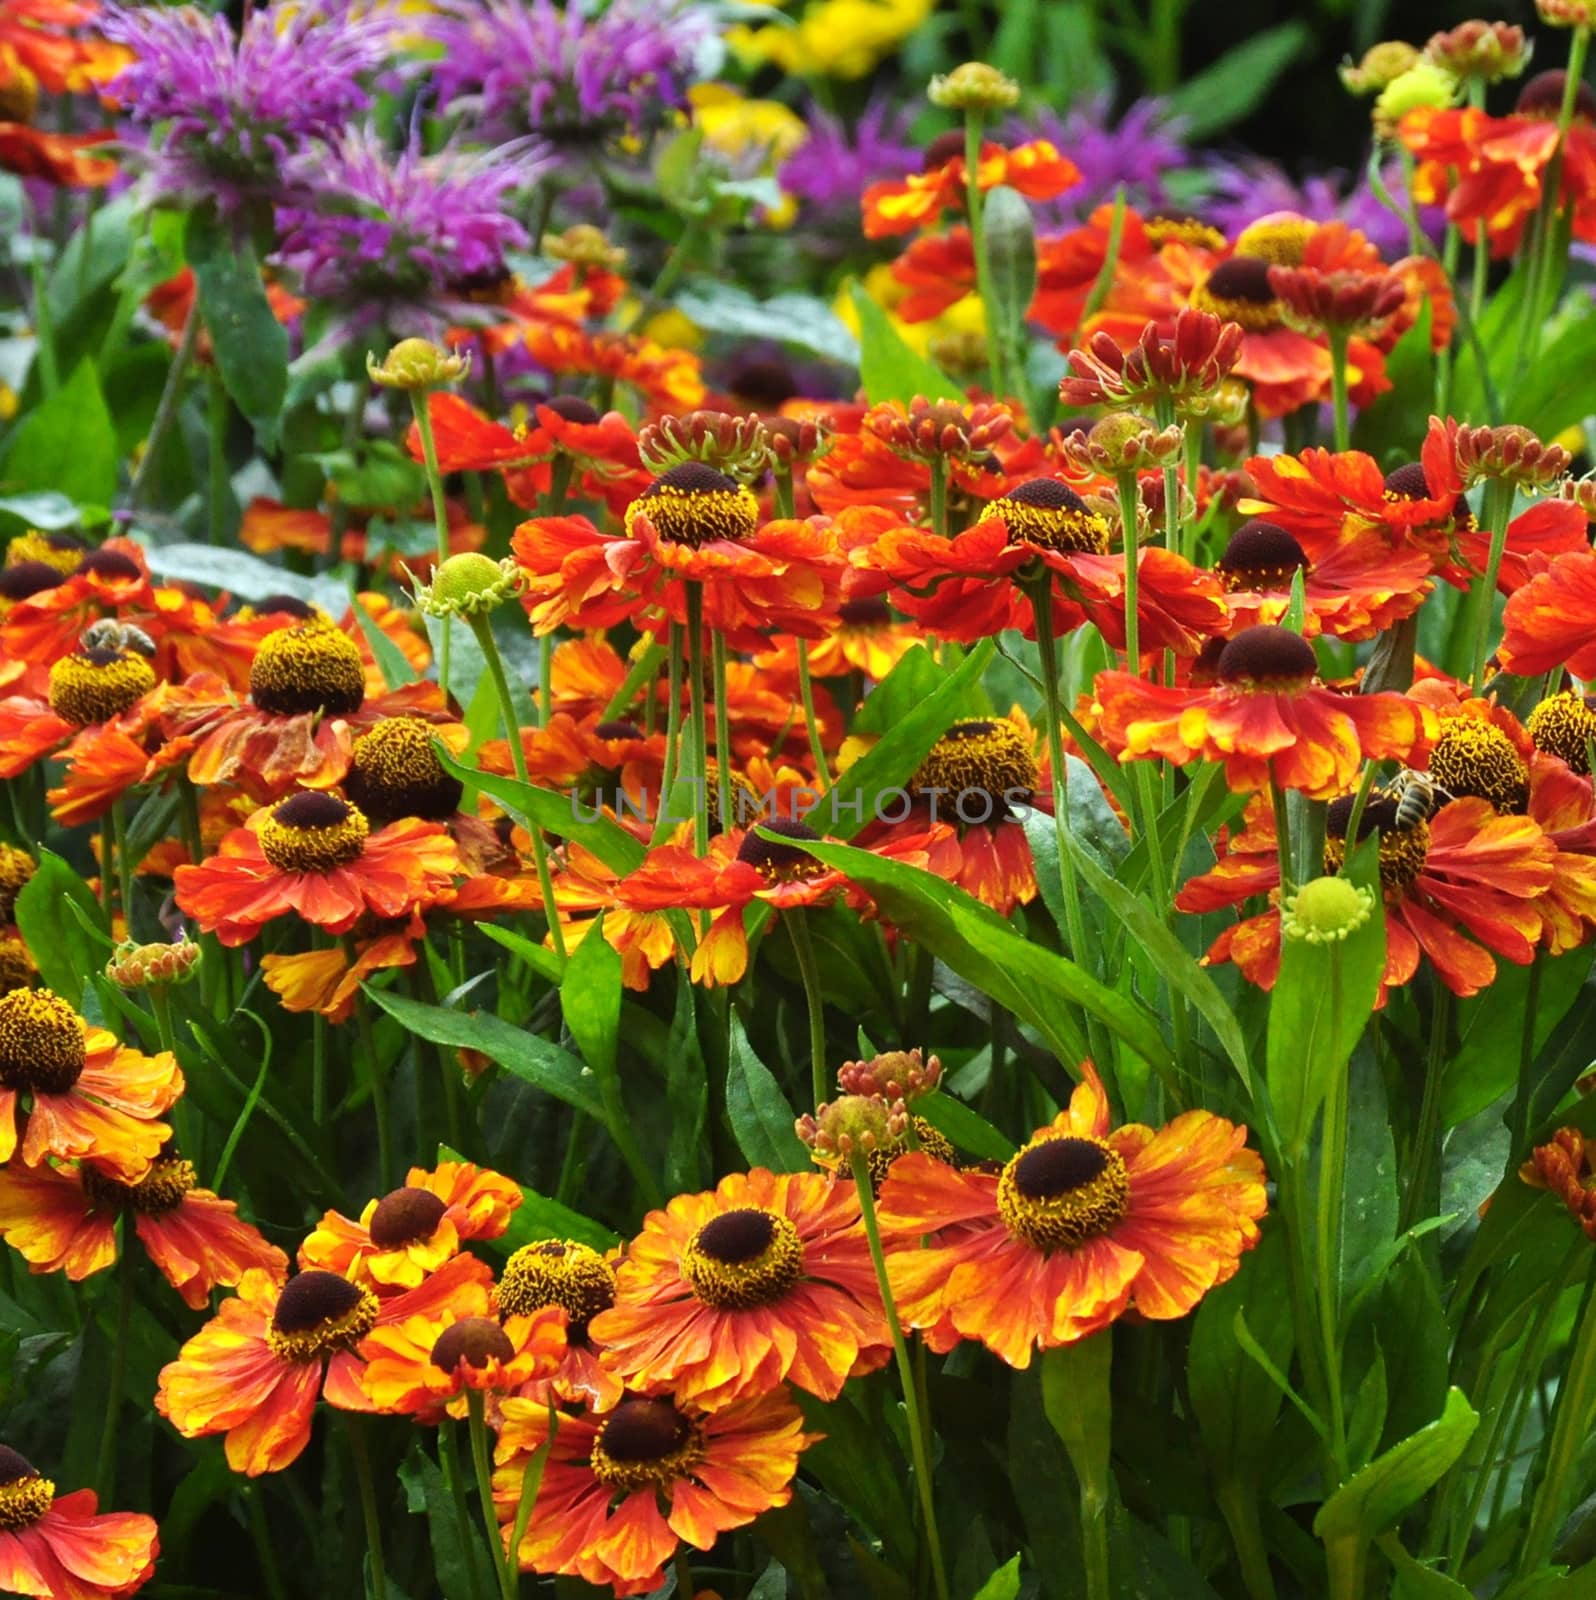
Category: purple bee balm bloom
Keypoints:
(1246, 188)
(832, 167)
(562, 74)
(230, 111)
(409, 237)
(1137, 151)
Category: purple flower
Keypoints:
(1137, 151)
(229, 112)
(413, 237)
(561, 74)
(832, 167)
(1244, 188)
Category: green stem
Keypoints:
(806, 692)
(918, 1444)
(939, 497)
(686, 1589)
(105, 1470)
(804, 953)
(43, 331)
(218, 414)
(368, 1503)
(512, 729)
(1277, 796)
(782, 491)
(697, 739)
(504, 1563)
(421, 409)
(1570, 1425)
(424, 988)
(454, 1486)
(166, 408)
(124, 861)
(376, 1080)
(1164, 415)
(672, 769)
(1497, 507)
(723, 748)
(1129, 536)
(107, 869)
(1425, 1159)
(643, 670)
(983, 267)
(1337, 338)
(1327, 1253)
(1360, 803)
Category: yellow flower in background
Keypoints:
(963, 316)
(674, 329)
(750, 136)
(833, 38)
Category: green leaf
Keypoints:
(772, 1584)
(539, 958)
(525, 1055)
(760, 1114)
(1039, 987)
(1236, 84)
(392, 662)
(243, 575)
(1372, 1500)
(92, 258)
(43, 509)
(1555, 392)
(57, 932)
(67, 444)
(1075, 1396)
(590, 1002)
(1414, 1581)
(859, 792)
(968, 1130)
(250, 344)
(1004, 1584)
(1011, 257)
(803, 320)
(452, 1559)
(1320, 1005)
(686, 1091)
(888, 368)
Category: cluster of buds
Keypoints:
(1484, 52)
(1566, 13)
(1187, 366)
(417, 365)
(854, 1124)
(1124, 441)
(893, 1076)
(1327, 302)
(144, 966)
(974, 87)
(1382, 64)
(1422, 87)
(1580, 492)
(1510, 453)
(737, 446)
(797, 441)
(939, 430)
(1564, 1167)
(468, 585)
(583, 245)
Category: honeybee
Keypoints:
(109, 634)
(1418, 797)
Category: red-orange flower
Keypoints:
(1547, 623)
(88, 1098)
(1081, 1225)
(316, 854)
(411, 1231)
(726, 1295)
(256, 1369)
(621, 1491)
(63, 1219)
(60, 1549)
(900, 205)
(1465, 875)
(1266, 717)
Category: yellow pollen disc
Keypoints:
(743, 1258)
(1476, 758)
(1282, 242)
(1183, 230)
(1403, 851)
(1564, 725)
(694, 516)
(16, 867)
(932, 1141)
(293, 848)
(313, 666)
(645, 1444)
(96, 685)
(557, 1272)
(395, 772)
(1256, 316)
(65, 555)
(1062, 1190)
(744, 798)
(987, 757)
(17, 966)
(41, 1042)
(162, 1190)
(342, 1332)
(23, 1501)
(1067, 529)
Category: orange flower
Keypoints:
(423, 1365)
(315, 854)
(765, 1279)
(113, 578)
(61, 1219)
(598, 1513)
(1564, 806)
(327, 982)
(1547, 622)
(1465, 875)
(1266, 717)
(669, 379)
(412, 1231)
(866, 638)
(900, 205)
(580, 1282)
(88, 1097)
(1563, 1165)
(255, 1370)
(1082, 1225)
(95, 687)
(61, 1549)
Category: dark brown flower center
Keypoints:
(317, 1313)
(570, 408)
(110, 564)
(405, 1216)
(618, 729)
(474, 1340)
(1059, 1192)
(1261, 555)
(1267, 657)
(1542, 96)
(313, 831)
(29, 578)
(775, 861)
(743, 1258)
